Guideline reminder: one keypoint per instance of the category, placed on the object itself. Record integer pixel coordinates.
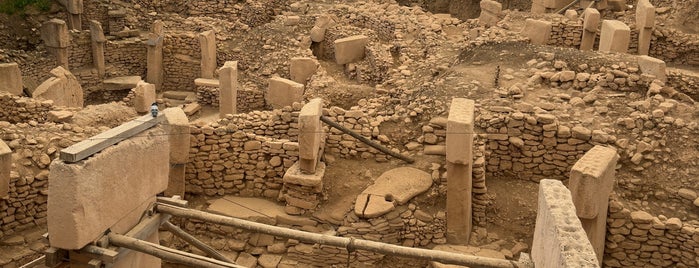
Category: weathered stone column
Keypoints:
(591, 19)
(98, 39)
(302, 68)
(55, 35)
(207, 42)
(75, 10)
(310, 135)
(459, 166)
(11, 78)
(177, 126)
(144, 96)
(5, 168)
(491, 11)
(154, 73)
(651, 66)
(283, 92)
(614, 37)
(591, 182)
(228, 86)
(645, 21)
(538, 31)
(559, 239)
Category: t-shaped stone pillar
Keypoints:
(645, 20)
(615, 36)
(97, 36)
(591, 182)
(55, 35)
(154, 72)
(11, 78)
(75, 10)
(207, 42)
(5, 167)
(590, 23)
(310, 135)
(228, 84)
(459, 166)
(177, 126)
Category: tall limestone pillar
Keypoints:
(154, 73)
(459, 157)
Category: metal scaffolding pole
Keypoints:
(349, 243)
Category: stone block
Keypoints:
(323, 22)
(55, 34)
(144, 97)
(310, 134)
(63, 89)
(645, 14)
(207, 43)
(176, 180)
(538, 31)
(591, 180)
(652, 66)
(5, 168)
(490, 13)
(228, 83)
(74, 6)
(93, 195)
(591, 19)
(283, 92)
(571, 15)
(206, 82)
(459, 138)
(614, 37)
(559, 239)
(294, 175)
(177, 126)
(350, 49)
(301, 68)
(11, 78)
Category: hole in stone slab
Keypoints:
(388, 198)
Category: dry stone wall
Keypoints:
(639, 239)
(127, 57)
(249, 98)
(34, 145)
(181, 61)
(16, 109)
(80, 50)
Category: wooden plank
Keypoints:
(35, 263)
(93, 145)
(102, 254)
(142, 231)
(175, 201)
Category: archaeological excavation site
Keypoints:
(328, 133)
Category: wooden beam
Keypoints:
(194, 241)
(141, 231)
(168, 254)
(99, 253)
(37, 262)
(175, 201)
(365, 140)
(344, 242)
(93, 145)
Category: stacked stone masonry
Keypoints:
(16, 109)
(34, 145)
(639, 239)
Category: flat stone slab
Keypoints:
(255, 209)
(294, 175)
(465, 250)
(205, 82)
(178, 95)
(398, 185)
(121, 83)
